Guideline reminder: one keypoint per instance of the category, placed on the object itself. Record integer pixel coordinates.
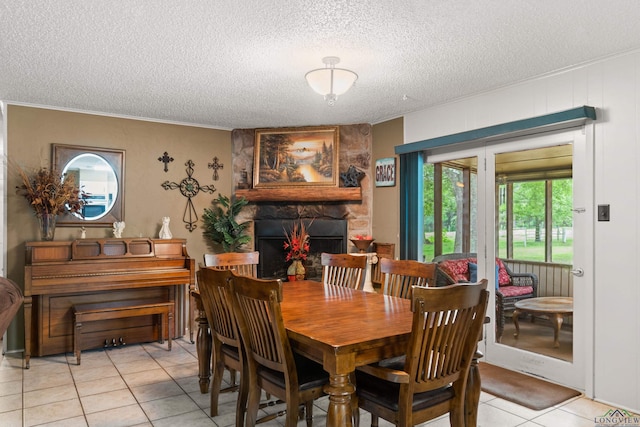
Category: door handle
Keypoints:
(578, 272)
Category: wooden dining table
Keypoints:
(344, 328)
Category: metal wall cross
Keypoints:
(215, 166)
(189, 187)
(165, 158)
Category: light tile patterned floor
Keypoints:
(146, 385)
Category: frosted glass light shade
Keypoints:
(331, 81)
(326, 81)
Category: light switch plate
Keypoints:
(603, 212)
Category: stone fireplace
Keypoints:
(326, 235)
(330, 222)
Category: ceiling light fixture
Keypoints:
(331, 81)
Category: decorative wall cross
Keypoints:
(189, 187)
(215, 166)
(165, 158)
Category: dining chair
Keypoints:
(243, 263)
(398, 276)
(343, 270)
(227, 348)
(272, 366)
(431, 380)
(382, 250)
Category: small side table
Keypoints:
(372, 258)
(554, 307)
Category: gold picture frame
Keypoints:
(296, 157)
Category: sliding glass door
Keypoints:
(528, 203)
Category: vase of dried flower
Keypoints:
(296, 271)
(47, 224)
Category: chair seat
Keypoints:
(310, 374)
(395, 363)
(230, 351)
(515, 291)
(385, 393)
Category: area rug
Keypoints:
(522, 389)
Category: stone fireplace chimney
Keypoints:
(331, 222)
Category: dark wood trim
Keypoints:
(437, 209)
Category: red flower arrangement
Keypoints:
(297, 243)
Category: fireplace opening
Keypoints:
(325, 235)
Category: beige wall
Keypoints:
(31, 131)
(386, 200)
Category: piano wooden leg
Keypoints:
(27, 330)
(194, 303)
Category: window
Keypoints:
(450, 207)
(533, 199)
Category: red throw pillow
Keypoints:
(503, 276)
(444, 266)
(458, 269)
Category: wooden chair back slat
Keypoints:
(343, 270)
(243, 263)
(215, 299)
(398, 276)
(271, 365)
(447, 325)
(213, 290)
(260, 319)
(446, 328)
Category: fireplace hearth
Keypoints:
(326, 235)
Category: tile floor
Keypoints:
(146, 385)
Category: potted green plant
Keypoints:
(220, 225)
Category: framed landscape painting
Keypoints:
(299, 157)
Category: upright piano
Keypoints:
(60, 274)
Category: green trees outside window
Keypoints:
(540, 211)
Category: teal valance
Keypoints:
(560, 120)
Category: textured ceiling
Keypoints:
(241, 64)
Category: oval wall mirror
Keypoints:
(99, 173)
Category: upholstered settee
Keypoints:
(510, 287)
(10, 301)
